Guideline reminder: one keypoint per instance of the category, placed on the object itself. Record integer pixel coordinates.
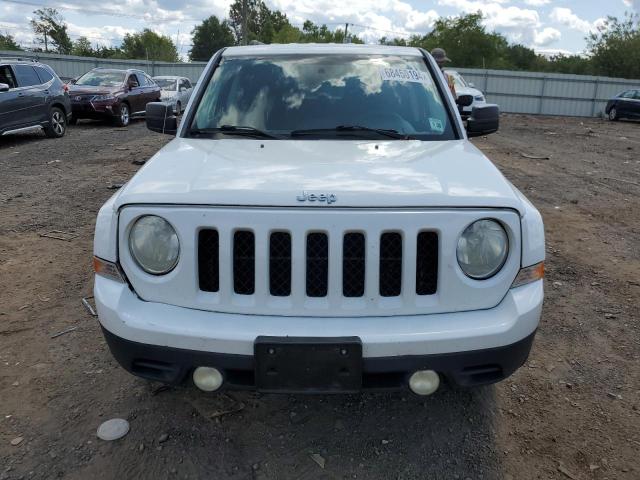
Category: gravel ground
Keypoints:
(573, 411)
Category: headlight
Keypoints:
(482, 249)
(103, 98)
(479, 98)
(154, 245)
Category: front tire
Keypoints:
(57, 123)
(613, 114)
(124, 116)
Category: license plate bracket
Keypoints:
(307, 364)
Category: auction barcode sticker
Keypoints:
(404, 75)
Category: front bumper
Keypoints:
(94, 111)
(165, 342)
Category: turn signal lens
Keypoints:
(107, 269)
(529, 275)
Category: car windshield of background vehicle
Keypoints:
(458, 81)
(107, 79)
(297, 93)
(166, 84)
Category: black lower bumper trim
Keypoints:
(465, 369)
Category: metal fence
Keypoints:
(515, 92)
(71, 66)
(547, 93)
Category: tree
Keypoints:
(7, 42)
(466, 41)
(262, 23)
(149, 45)
(82, 48)
(209, 37)
(519, 57)
(396, 42)
(615, 47)
(50, 27)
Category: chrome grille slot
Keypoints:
(280, 264)
(209, 260)
(353, 264)
(390, 264)
(427, 263)
(317, 264)
(244, 262)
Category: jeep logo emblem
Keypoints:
(327, 198)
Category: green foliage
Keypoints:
(615, 47)
(149, 45)
(82, 48)
(8, 43)
(51, 29)
(262, 23)
(209, 37)
(466, 41)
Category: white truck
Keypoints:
(320, 223)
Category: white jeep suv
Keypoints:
(320, 223)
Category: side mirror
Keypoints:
(483, 121)
(464, 100)
(160, 118)
(73, 81)
(4, 87)
(472, 85)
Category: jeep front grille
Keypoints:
(316, 259)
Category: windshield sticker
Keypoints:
(436, 124)
(404, 75)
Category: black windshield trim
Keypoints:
(352, 129)
(453, 120)
(202, 87)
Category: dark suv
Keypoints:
(114, 94)
(32, 95)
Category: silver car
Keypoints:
(174, 90)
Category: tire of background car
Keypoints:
(72, 121)
(57, 123)
(613, 114)
(178, 108)
(124, 115)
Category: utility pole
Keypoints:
(46, 48)
(244, 22)
(346, 36)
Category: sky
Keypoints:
(548, 26)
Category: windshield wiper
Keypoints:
(387, 132)
(233, 130)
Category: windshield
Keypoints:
(293, 93)
(458, 80)
(97, 78)
(166, 84)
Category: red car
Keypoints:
(106, 93)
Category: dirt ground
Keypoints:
(572, 412)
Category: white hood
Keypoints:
(247, 172)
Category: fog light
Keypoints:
(424, 382)
(208, 379)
